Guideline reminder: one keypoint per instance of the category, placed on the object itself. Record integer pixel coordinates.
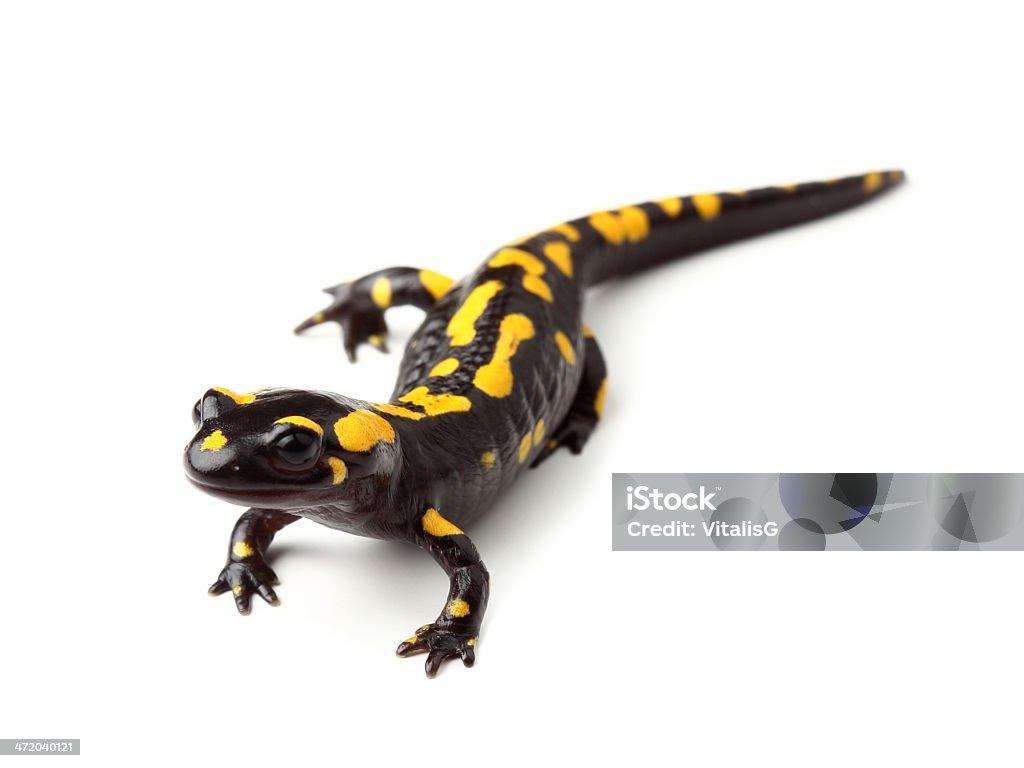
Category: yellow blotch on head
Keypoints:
(538, 432)
(239, 399)
(436, 525)
(435, 405)
(397, 410)
(214, 441)
(672, 206)
(568, 231)
(301, 421)
(565, 347)
(708, 206)
(359, 431)
(495, 377)
(524, 447)
(487, 460)
(457, 608)
(609, 226)
(599, 397)
(461, 328)
(561, 256)
(446, 366)
(872, 181)
(338, 470)
(381, 292)
(437, 285)
(242, 550)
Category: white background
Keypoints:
(179, 180)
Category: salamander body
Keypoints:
(501, 373)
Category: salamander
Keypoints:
(501, 374)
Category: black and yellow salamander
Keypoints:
(501, 373)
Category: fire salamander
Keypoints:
(501, 373)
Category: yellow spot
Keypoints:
(435, 405)
(565, 347)
(381, 292)
(538, 432)
(635, 223)
(608, 224)
(895, 176)
(530, 264)
(338, 470)
(524, 447)
(318, 317)
(239, 399)
(376, 341)
(412, 640)
(587, 333)
(457, 608)
(301, 421)
(708, 206)
(471, 642)
(536, 285)
(788, 187)
(487, 460)
(672, 206)
(561, 255)
(242, 550)
(214, 441)
(495, 377)
(436, 525)
(461, 328)
(359, 431)
(446, 366)
(872, 181)
(552, 444)
(568, 231)
(599, 398)
(237, 589)
(397, 410)
(437, 285)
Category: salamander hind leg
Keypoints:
(359, 306)
(455, 632)
(580, 422)
(246, 572)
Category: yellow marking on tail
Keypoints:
(538, 432)
(561, 256)
(568, 231)
(708, 206)
(872, 181)
(672, 206)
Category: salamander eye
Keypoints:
(197, 416)
(297, 449)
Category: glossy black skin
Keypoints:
(430, 478)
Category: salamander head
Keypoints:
(287, 448)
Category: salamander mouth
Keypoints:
(238, 495)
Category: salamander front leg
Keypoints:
(580, 422)
(359, 305)
(455, 632)
(247, 571)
